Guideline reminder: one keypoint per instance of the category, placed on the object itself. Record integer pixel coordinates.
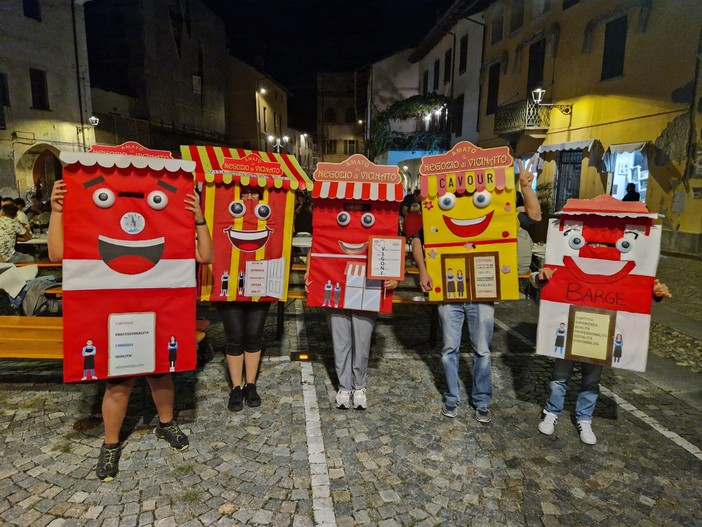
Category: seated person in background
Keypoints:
(12, 231)
(631, 194)
(34, 208)
(21, 216)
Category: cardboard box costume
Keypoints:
(252, 243)
(470, 224)
(597, 306)
(129, 263)
(340, 245)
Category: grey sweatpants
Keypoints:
(351, 332)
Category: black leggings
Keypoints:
(243, 325)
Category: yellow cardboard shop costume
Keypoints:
(470, 224)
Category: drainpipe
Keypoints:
(78, 83)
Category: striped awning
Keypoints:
(358, 190)
(247, 167)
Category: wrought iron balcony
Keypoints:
(522, 117)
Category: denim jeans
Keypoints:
(481, 322)
(589, 388)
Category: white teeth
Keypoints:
(132, 243)
(594, 266)
(353, 246)
(465, 223)
(248, 235)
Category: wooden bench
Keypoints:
(42, 337)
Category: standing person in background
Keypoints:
(118, 390)
(631, 194)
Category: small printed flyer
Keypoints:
(386, 258)
(132, 343)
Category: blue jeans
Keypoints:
(481, 323)
(589, 388)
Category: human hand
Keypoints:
(545, 274)
(425, 281)
(390, 284)
(308, 283)
(661, 290)
(192, 203)
(57, 193)
(526, 176)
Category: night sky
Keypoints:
(292, 40)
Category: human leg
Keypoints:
(114, 408)
(587, 399)
(163, 393)
(253, 344)
(341, 330)
(363, 323)
(481, 324)
(451, 317)
(233, 320)
(562, 371)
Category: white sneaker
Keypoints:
(587, 436)
(359, 399)
(343, 399)
(548, 424)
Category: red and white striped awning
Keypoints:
(247, 167)
(358, 190)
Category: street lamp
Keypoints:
(537, 95)
(80, 130)
(278, 142)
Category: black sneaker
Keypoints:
(108, 462)
(236, 400)
(177, 440)
(251, 395)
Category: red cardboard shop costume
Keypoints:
(353, 201)
(129, 263)
(596, 307)
(252, 243)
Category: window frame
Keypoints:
(437, 72)
(614, 48)
(493, 93)
(448, 62)
(39, 88)
(32, 9)
(463, 54)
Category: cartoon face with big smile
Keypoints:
(134, 251)
(249, 240)
(359, 213)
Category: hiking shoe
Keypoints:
(108, 462)
(177, 440)
(587, 436)
(449, 410)
(343, 399)
(359, 399)
(548, 423)
(251, 395)
(236, 400)
(483, 415)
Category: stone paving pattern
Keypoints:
(398, 463)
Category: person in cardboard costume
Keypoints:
(597, 288)
(249, 200)
(123, 222)
(353, 201)
(469, 257)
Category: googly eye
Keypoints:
(104, 198)
(623, 245)
(482, 199)
(343, 218)
(237, 209)
(157, 200)
(368, 220)
(262, 211)
(447, 201)
(576, 242)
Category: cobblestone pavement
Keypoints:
(298, 461)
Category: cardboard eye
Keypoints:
(482, 199)
(368, 220)
(577, 242)
(343, 218)
(262, 211)
(104, 198)
(623, 245)
(157, 200)
(237, 209)
(447, 201)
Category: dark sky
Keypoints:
(298, 38)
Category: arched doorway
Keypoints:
(37, 170)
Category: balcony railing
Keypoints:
(521, 117)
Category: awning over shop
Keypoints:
(248, 167)
(610, 155)
(593, 146)
(358, 191)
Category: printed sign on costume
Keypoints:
(354, 201)
(597, 306)
(129, 263)
(248, 199)
(470, 224)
